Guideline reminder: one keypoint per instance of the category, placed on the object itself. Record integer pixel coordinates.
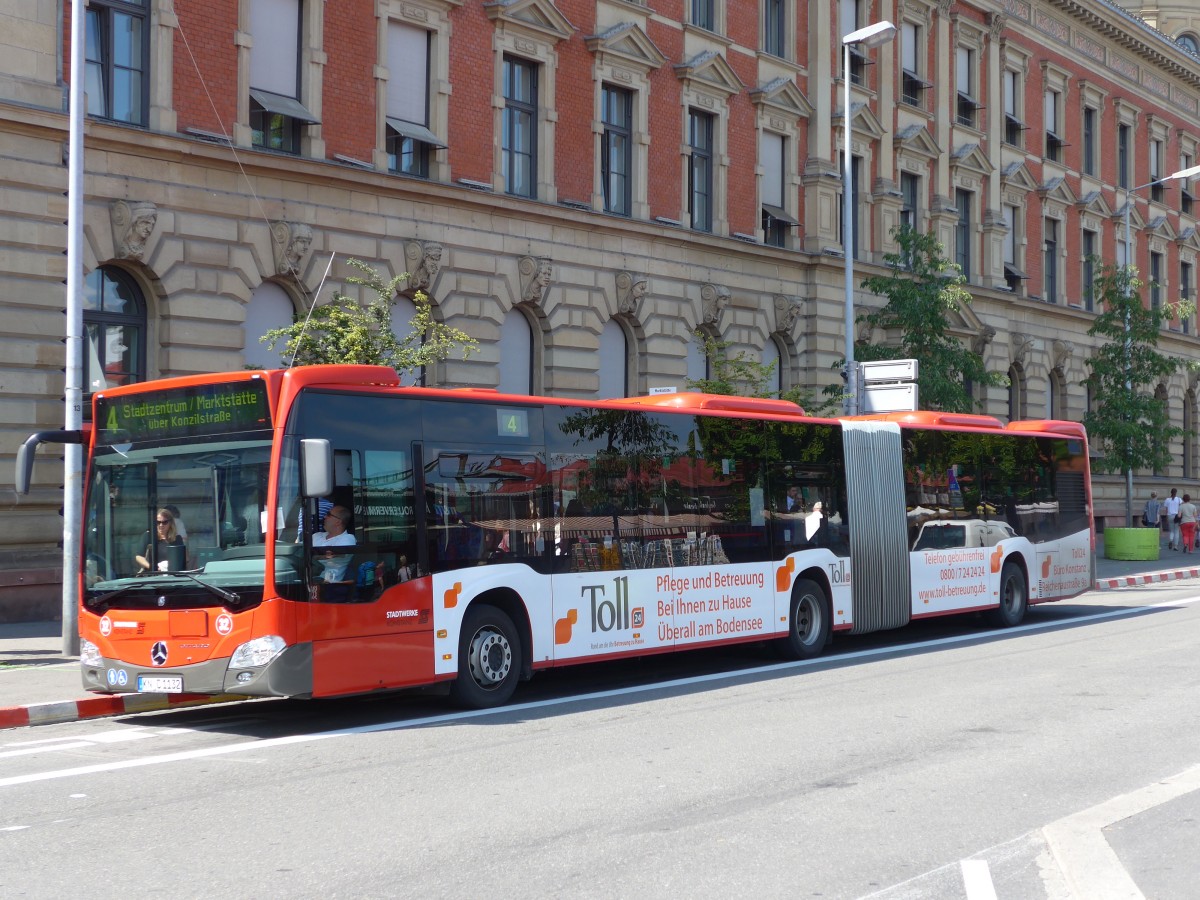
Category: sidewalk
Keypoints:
(39, 684)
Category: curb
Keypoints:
(97, 707)
(1123, 581)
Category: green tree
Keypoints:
(346, 331)
(1129, 426)
(741, 375)
(922, 289)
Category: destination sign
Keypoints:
(201, 411)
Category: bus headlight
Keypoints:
(89, 653)
(258, 652)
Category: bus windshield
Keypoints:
(176, 516)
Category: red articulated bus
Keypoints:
(482, 537)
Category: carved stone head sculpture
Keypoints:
(630, 291)
(132, 223)
(715, 299)
(536, 275)
(291, 242)
(423, 261)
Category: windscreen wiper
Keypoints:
(104, 598)
(227, 596)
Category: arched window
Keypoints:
(114, 325)
(270, 307)
(1016, 393)
(1189, 435)
(1189, 43)
(614, 361)
(403, 313)
(516, 354)
(1058, 395)
(699, 365)
(771, 355)
(1160, 394)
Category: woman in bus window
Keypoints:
(164, 551)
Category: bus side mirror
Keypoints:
(27, 451)
(316, 468)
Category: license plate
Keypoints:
(160, 684)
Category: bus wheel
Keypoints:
(808, 627)
(1014, 597)
(489, 659)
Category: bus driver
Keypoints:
(335, 535)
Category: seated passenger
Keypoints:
(334, 535)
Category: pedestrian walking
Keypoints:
(1152, 511)
(1171, 510)
(1187, 523)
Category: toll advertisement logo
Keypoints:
(608, 612)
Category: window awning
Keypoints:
(416, 132)
(778, 214)
(285, 106)
(1011, 271)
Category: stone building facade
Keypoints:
(581, 185)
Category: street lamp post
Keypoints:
(1175, 176)
(868, 36)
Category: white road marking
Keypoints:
(1086, 859)
(33, 751)
(977, 879)
(516, 708)
(55, 745)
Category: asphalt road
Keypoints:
(924, 763)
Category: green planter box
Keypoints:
(1131, 543)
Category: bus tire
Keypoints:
(489, 659)
(1014, 597)
(809, 622)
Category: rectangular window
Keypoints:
(848, 20)
(1186, 199)
(117, 60)
(1013, 276)
(1156, 276)
(855, 196)
(1156, 171)
(962, 232)
(1123, 132)
(276, 113)
(410, 143)
(704, 14)
(1089, 140)
(1014, 128)
(1054, 143)
(1186, 294)
(1089, 270)
(1050, 260)
(519, 138)
(910, 192)
(776, 222)
(700, 170)
(775, 27)
(964, 81)
(913, 86)
(616, 149)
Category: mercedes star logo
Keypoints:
(158, 653)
